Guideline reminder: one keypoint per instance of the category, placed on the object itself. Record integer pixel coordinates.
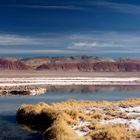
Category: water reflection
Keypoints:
(91, 88)
(10, 104)
(9, 129)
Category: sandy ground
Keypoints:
(13, 74)
(28, 78)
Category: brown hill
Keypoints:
(72, 63)
(12, 64)
(91, 67)
(84, 64)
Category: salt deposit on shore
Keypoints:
(133, 122)
(69, 81)
(110, 117)
(21, 90)
(87, 119)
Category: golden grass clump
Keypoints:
(76, 115)
(137, 134)
(94, 124)
(60, 131)
(60, 121)
(110, 132)
(36, 117)
(131, 101)
(97, 115)
(73, 113)
(66, 117)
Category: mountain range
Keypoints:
(72, 63)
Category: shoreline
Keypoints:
(21, 90)
(83, 120)
(53, 74)
(37, 85)
(8, 82)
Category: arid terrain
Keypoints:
(34, 83)
(28, 81)
(71, 63)
(74, 120)
(83, 120)
(46, 73)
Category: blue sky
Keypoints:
(104, 28)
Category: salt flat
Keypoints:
(43, 73)
(69, 81)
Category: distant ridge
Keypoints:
(12, 64)
(72, 63)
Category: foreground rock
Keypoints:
(21, 90)
(83, 120)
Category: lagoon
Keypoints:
(9, 129)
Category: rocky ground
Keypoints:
(6, 90)
(83, 120)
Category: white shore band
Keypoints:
(69, 81)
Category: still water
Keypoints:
(10, 130)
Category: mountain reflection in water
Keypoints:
(91, 88)
(10, 104)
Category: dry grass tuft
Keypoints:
(110, 133)
(59, 121)
(36, 117)
(60, 131)
(97, 115)
(137, 134)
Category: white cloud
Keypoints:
(82, 5)
(120, 7)
(11, 39)
(95, 42)
(34, 51)
(86, 45)
(72, 52)
(37, 6)
(135, 51)
(102, 40)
